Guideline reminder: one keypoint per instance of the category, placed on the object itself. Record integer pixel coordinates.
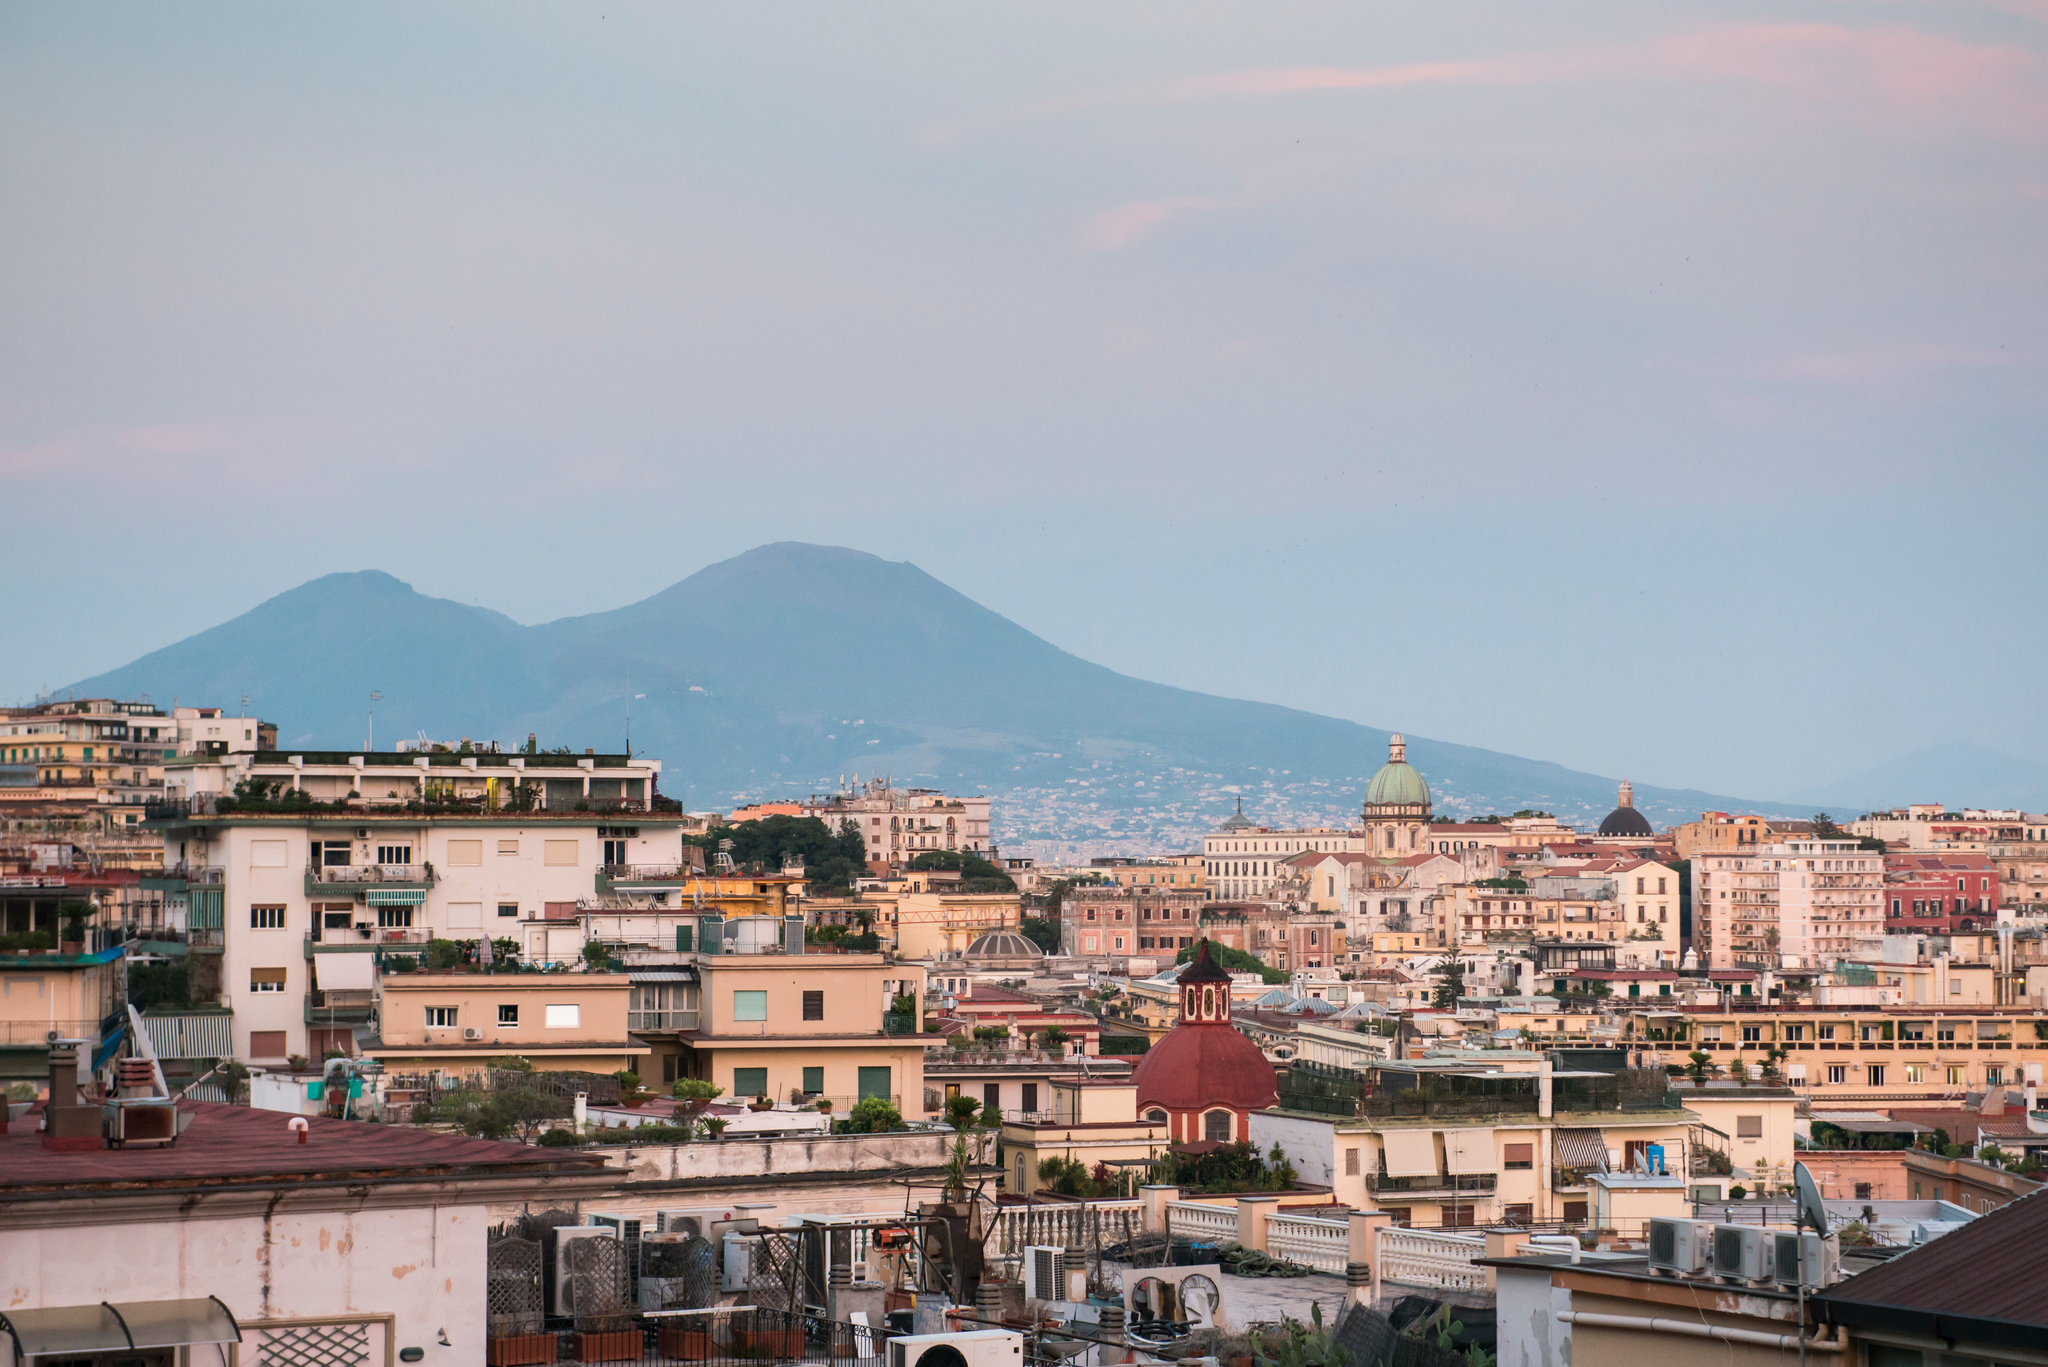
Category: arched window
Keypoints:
(1155, 1116)
(1217, 1126)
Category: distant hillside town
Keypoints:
(521, 989)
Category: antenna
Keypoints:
(1813, 1211)
(369, 742)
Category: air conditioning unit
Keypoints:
(736, 1262)
(1804, 1259)
(665, 1263)
(982, 1348)
(568, 1238)
(1742, 1253)
(1680, 1247)
(698, 1223)
(1042, 1268)
(472, 1032)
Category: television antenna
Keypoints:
(370, 742)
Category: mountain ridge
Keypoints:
(786, 667)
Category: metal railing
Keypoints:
(1430, 1182)
(652, 873)
(661, 1019)
(16, 1034)
(717, 1337)
(328, 875)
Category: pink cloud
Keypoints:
(1929, 77)
(1122, 225)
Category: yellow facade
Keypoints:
(461, 1021)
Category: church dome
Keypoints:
(1005, 948)
(1237, 821)
(1625, 820)
(1397, 784)
(1202, 1064)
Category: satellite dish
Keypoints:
(1813, 1212)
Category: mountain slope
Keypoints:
(1958, 774)
(783, 669)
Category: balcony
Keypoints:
(36, 1034)
(180, 877)
(1436, 1184)
(644, 875)
(659, 1019)
(360, 877)
(365, 939)
(900, 1023)
(339, 1006)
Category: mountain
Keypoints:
(781, 670)
(1959, 773)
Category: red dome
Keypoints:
(1199, 1065)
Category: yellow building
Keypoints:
(1092, 1122)
(69, 995)
(801, 1025)
(919, 916)
(459, 1022)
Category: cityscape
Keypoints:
(1062, 687)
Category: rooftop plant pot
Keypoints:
(611, 1345)
(687, 1345)
(520, 1350)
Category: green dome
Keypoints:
(1397, 784)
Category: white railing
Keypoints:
(1200, 1220)
(1315, 1241)
(1067, 1224)
(1418, 1257)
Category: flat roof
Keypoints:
(224, 1145)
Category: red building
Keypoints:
(1939, 893)
(1204, 1079)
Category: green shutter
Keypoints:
(875, 1082)
(748, 1082)
(683, 939)
(814, 1080)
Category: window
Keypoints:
(1794, 1033)
(1955, 1075)
(1994, 1076)
(1823, 1032)
(991, 1099)
(1863, 1191)
(440, 1018)
(1217, 1126)
(1351, 1162)
(875, 1082)
(1749, 1127)
(508, 1013)
(266, 1043)
(394, 854)
(1877, 1075)
(614, 852)
(331, 853)
(1030, 1097)
(750, 1006)
(266, 918)
(749, 1082)
(266, 980)
(266, 854)
(508, 909)
(814, 1081)
(508, 847)
(465, 853)
(563, 1016)
(1518, 1155)
(559, 854)
(1752, 1034)
(1838, 1073)
(814, 1006)
(394, 918)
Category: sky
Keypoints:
(1661, 390)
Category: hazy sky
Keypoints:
(1658, 389)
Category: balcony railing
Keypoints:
(900, 1023)
(661, 1019)
(339, 1006)
(35, 1034)
(1435, 1183)
(345, 875)
(649, 873)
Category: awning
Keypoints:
(397, 897)
(1467, 1152)
(671, 975)
(345, 972)
(70, 1330)
(1581, 1148)
(1410, 1153)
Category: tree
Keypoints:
(1235, 961)
(872, 1115)
(976, 873)
(1041, 932)
(501, 1113)
(1450, 982)
(960, 1111)
(831, 859)
(1700, 1066)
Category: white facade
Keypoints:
(1797, 904)
(899, 824)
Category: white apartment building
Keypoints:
(899, 824)
(300, 899)
(1797, 904)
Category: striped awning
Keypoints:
(187, 1037)
(397, 897)
(1581, 1148)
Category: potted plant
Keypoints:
(825, 1105)
(760, 1103)
(74, 930)
(608, 1345)
(684, 1344)
(714, 1125)
(781, 1342)
(520, 1350)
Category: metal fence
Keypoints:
(716, 1337)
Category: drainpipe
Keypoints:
(1545, 1106)
(1695, 1329)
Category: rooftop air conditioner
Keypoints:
(472, 1032)
(1042, 1267)
(1680, 1247)
(593, 1271)
(982, 1348)
(1804, 1259)
(1742, 1253)
(701, 1223)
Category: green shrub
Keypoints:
(872, 1115)
(560, 1139)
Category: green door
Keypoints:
(875, 1082)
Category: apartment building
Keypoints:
(1938, 893)
(1725, 832)
(790, 1025)
(457, 1023)
(1848, 1056)
(1794, 904)
(1244, 862)
(898, 824)
(71, 994)
(102, 757)
(347, 859)
(1121, 921)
